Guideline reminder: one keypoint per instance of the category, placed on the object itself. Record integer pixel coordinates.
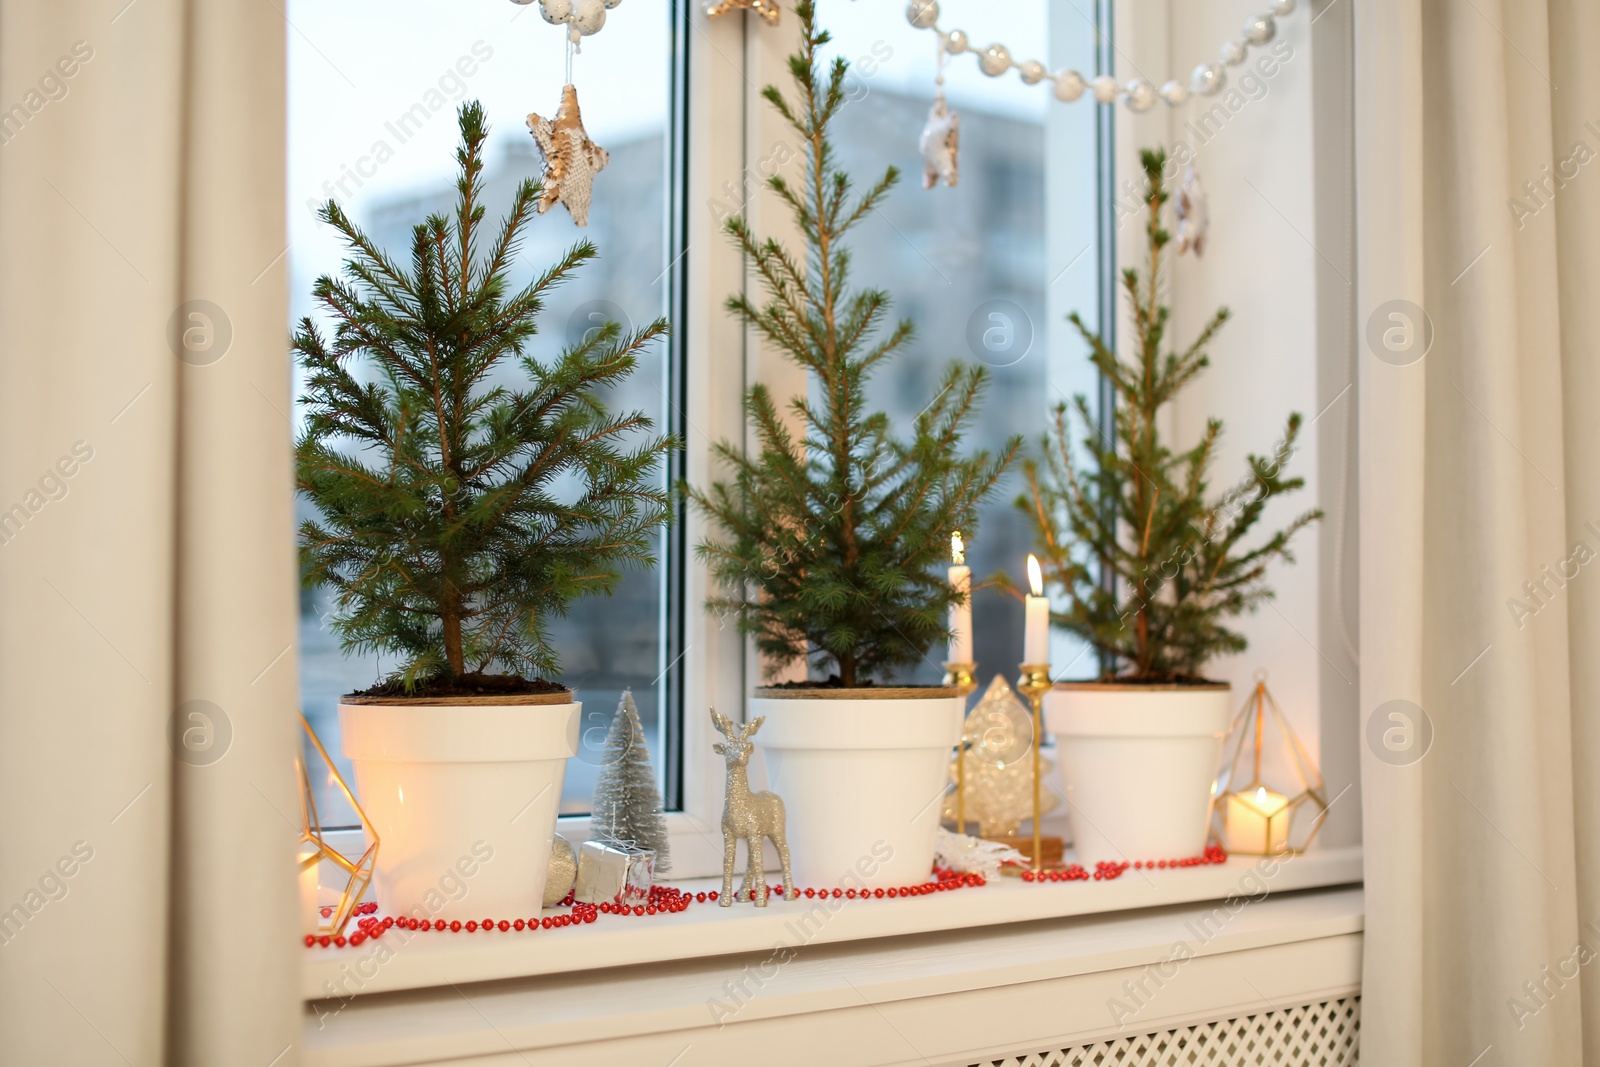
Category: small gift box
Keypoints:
(615, 873)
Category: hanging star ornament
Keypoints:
(571, 160)
(1193, 215)
(941, 139)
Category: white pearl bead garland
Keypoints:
(1208, 79)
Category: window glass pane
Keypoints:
(373, 90)
(987, 270)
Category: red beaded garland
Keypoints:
(670, 900)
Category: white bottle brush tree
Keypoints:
(627, 803)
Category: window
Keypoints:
(374, 86)
(988, 269)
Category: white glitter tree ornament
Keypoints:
(627, 803)
(999, 754)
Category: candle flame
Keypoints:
(1261, 795)
(1035, 578)
(958, 549)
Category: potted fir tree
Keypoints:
(466, 493)
(826, 542)
(1139, 746)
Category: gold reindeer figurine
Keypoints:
(748, 815)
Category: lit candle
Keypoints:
(1036, 634)
(1256, 823)
(310, 914)
(960, 614)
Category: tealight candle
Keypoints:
(960, 614)
(1256, 823)
(1036, 633)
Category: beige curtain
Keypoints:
(1478, 200)
(147, 908)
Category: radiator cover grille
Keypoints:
(1323, 1034)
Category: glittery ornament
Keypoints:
(974, 855)
(923, 14)
(1141, 95)
(1259, 29)
(994, 60)
(767, 9)
(748, 816)
(1069, 86)
(571, 160)
(588, 17)
(1193, 215)
(999, 754)
(562, 872)
(613, 873)
(1208, 79)
(940, 144)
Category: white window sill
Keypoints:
(932, 998)
(403, 960)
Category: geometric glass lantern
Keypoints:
(360, 871)
(1252, 817)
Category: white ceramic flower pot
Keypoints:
(861, 775)
(464, 800)
(1136, 764)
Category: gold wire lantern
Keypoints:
(360, 871)
(1251, 818)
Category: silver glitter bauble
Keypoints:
(1141, 95)
(995, 60)
(1069, 86)
(1032, 72)
(1283, 7)
(562, 872)
(555, 12)
(1233, 53)
(588, 16)
(1259, 29)
(955, 42)
(1174, 94)
(923, 14)
(1208, 79)
(1105, 88)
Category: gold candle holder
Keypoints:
(1034, 683)
(961, 676)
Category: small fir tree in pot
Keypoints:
(440, 528)
(826, 540)
(1142, 512)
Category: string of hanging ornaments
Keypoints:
(571, 160)
(1207, 79)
